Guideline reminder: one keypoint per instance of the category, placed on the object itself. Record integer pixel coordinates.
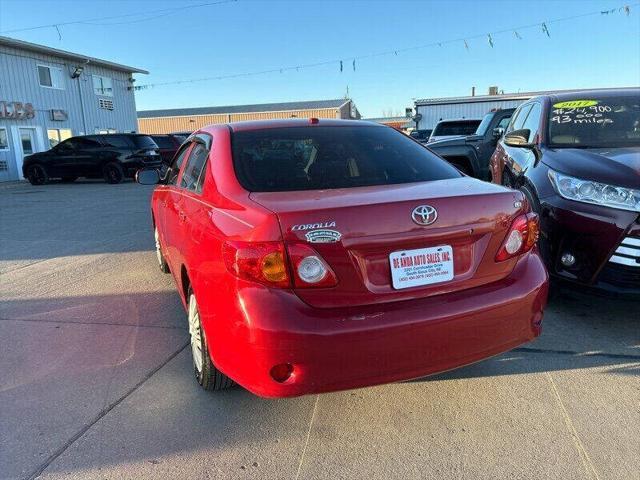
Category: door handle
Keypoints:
(164, 203)
(182, 216)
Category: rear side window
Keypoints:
(115, 141)
(456, 128)
(311, 158)
(163, 141)
(143, 141)
(193, 175)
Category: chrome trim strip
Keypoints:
(633, 252)
(631, 241)
(624, 261)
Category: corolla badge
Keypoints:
(424, 215)
(323, 236)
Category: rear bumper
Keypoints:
(335, 349)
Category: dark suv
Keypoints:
(112, 157)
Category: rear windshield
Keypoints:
(463, 127)
(143, 141)
(313, 158)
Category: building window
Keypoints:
(105, 131)
(102, 86)
(50, 77)
(57, 135)
(4, 140)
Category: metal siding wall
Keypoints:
(183, 123)
(432, 114)
(19, 82)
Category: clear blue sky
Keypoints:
(596, 51)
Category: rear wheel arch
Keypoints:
(185, 283)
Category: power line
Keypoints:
(158, 13)
(543, 26)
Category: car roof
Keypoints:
(289, 122)
(600, 93)
(112, 135)
(448, 120)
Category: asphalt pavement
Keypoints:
(96, 380)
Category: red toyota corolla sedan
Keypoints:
(320, 255)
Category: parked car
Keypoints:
(471, 154)
(576, 156)
(168, 145)
(421, 135)
(453, 128)
(320, 255)
(109, 156)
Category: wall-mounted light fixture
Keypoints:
(77, 72)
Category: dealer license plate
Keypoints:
(423, 266)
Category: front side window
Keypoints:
(81, 143)
(4, 140)
(174, 170)
(519, 117)
(193, 175)
(314, 158)
(595, 122)
(50, 77)
(532, 122)
(102, 86)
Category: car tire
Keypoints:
(113, 173)
(37, 175)
(69, 179)
(207, 375)
(164, 266)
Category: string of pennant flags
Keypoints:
(342, 62)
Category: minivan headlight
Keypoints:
(588, 191)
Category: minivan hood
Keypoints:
(613, 166)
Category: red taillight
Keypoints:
(309, 268)
(263, 262)
(521, 238)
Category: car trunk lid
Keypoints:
(355, 230)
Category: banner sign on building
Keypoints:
(16, 110)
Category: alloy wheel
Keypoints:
(158, 252)
(195, 332)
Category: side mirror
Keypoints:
(519, 138)
(148, 176)
(498, 132)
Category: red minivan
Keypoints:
(321, 255)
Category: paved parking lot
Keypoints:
(95, 379)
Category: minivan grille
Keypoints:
(627, 253)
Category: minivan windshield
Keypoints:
(595, 122)
(311, 158)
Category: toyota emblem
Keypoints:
(424, 215)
